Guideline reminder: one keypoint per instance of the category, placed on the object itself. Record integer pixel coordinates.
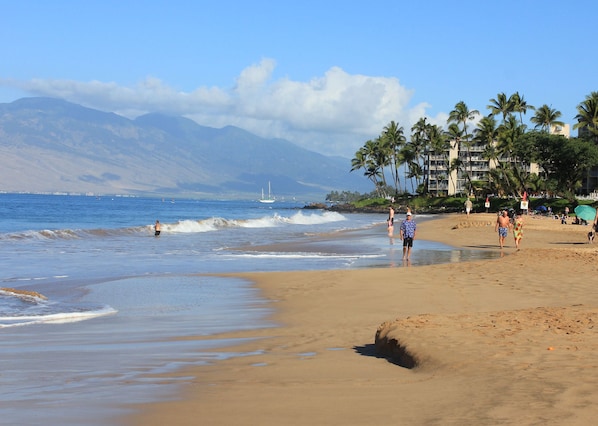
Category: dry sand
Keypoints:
(505, 341)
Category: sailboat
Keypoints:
(270, 198)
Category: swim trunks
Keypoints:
(407, 242)
(502, 231)
(157, 233)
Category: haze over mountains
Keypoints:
(50, 145)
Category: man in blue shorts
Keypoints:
(503, 223)
(407, 234)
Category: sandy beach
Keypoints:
(504, 341)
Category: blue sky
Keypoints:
(326, 75)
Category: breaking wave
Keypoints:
(183, 226)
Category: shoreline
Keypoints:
(508, 340)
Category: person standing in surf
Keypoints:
(407, 234)
(391, 221)
(157, 229)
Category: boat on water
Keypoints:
(270, 198)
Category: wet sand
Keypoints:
(504, 341)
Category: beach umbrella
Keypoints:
(585, 212)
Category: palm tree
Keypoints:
(496, 181)
(486, 131)
(455, 134)
(493, 156)
(412, 169)
(369, 158)
(518, 104)
(362, 161)
(457, 165)
(394, 140)
(510, 131)
(378, 155)
(509, 134)
(462, 114)
(587, 115)
(420, 146)
(485, 135)
(373, 173)
(545, 117)
(439, 144)
(501, 105)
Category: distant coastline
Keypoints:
(399, 208)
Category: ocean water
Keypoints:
(92, 302)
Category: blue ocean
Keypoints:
(91, 302)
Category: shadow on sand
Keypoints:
(404, 360)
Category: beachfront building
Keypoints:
(444, 181)
(563, 130)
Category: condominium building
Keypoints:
(443, 182)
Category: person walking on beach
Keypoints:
(157, 229)
(391, 221)
(407, 234)
(468, 206)
(503, 223)
(517, 229)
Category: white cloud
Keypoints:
(333, 114)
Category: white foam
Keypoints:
(316, 218)
(217, 223)
(305, 256)
(57, 318)
(193, 226)
(263, 222)
(185, 226)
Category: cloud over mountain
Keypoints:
(332, 114)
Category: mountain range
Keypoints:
(50, 145)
